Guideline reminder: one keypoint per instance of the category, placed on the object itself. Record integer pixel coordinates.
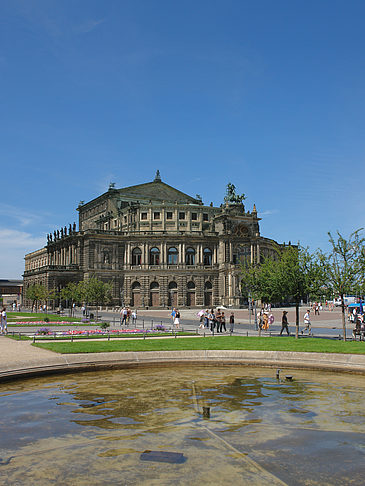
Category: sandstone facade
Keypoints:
(158, 246)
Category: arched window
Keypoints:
(154, 286)
(207, 256)
(136, 286)
(136, 256)
(172, 286)
(190, 256)
(208, 285)
(154, 256)
(172, 256)
(191, 285)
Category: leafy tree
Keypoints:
(344, 266)
(96, 292)
(71, 293)
(38, 293)
(290, 276)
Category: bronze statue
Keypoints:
(232, 197)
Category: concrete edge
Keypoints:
(345, 363)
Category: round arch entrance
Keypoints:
(154, 294)
(172, 298)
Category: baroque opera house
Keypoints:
(157, 246)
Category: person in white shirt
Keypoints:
(3, 323)
(307, 323)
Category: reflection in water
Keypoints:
(93, 428)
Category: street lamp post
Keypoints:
(255, 315)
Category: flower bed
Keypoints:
(97, 332)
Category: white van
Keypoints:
(348, 299)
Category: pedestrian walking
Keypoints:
(284, 323)
(307, 323)
(231, 322)
(211, 318)
(3, 322)
(223, 322)
(218, 319)
(123, 315)
(206, 319)
(177, 319)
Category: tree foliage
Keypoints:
(292, 275)
(344, 267)
(38, 293)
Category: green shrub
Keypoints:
(46, 319)
(104, 325)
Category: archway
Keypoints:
(208, 291)
(154, 294)
(190, 296)
(136, 294)
(172, 297)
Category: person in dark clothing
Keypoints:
(211, 318)
(218, 318)
(223, 322)
(231, 322)
(284, 323)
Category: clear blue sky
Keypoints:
(268, 95)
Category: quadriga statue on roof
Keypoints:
(231, 196)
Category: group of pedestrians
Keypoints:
(126, 314)
(306, 319)
(216, 321)
(265, 318)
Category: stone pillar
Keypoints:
(181, 296)
(128, 253)
(145, 255)
(164, 254)
(180, 253)
(199, 292)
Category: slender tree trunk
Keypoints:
(296, 320)
(343, 317)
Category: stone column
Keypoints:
(145, 256)
(164, 254)
(180, 253)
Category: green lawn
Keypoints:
(216, 343)
(38, 316)
(92, 336)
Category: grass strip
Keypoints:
(37, 324)
(312, 345)
(38, 316)
(95, 336)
